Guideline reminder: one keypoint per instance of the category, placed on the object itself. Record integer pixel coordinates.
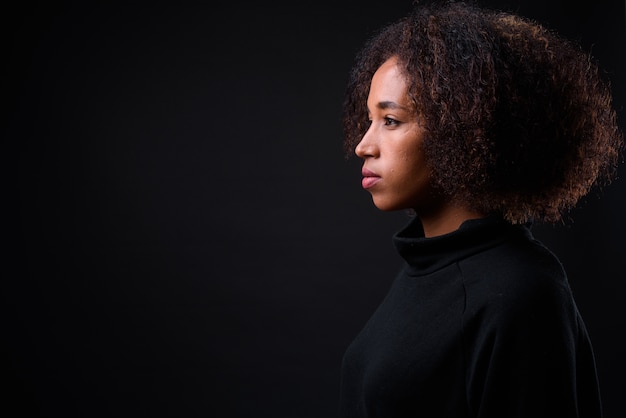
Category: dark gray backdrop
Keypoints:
(190, 241)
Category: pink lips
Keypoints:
(369, 178)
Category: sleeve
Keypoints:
(527, 354)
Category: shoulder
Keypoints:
(518, 280)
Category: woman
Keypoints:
(479, 122)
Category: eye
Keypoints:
(390, 121)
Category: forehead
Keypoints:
(388, 85)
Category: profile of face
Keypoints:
(394, 169)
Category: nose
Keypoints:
(367, 146)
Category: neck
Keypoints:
(447, 218)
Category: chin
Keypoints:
(387, 206)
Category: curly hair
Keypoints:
(519, 121)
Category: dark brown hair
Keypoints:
(519, 120)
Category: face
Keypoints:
(394, 170)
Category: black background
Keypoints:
(186, 237)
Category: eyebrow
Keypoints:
(391, 105)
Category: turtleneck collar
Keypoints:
(426, 255)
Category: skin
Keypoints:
(394, 166)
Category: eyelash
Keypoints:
(390, 121)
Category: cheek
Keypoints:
(413, 164)
(416, 175)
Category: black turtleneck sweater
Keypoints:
(480, 322)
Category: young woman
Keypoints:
(480, 123)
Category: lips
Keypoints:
(369, 178)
